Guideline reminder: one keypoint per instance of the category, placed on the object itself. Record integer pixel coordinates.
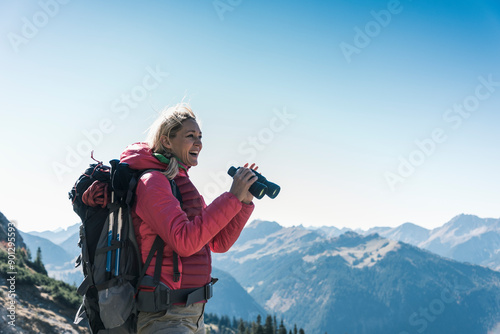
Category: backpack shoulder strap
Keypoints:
(159, 244)
(177, 194)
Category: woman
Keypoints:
(189, 232)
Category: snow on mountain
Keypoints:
(408, 232)
(461, 229)
(466, 238)
(362, 255)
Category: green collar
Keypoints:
(166, 160)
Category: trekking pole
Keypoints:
(118, 232)
(110, 236)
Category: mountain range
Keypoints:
(59, 259)
(59, 235)
(361, 284)
(406, 279)
(465, 238)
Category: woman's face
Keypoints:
(186, 145)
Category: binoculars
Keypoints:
(260, 187)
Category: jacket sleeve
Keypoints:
(226, 238)
(158, 207)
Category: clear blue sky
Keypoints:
(367, 113)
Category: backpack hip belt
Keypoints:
(158, 297)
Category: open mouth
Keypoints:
(194, 153)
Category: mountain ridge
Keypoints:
(59, 235)
(385, 282)
(465, 237)
(370, 284)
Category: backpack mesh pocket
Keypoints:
(114, 303)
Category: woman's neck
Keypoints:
(166, 160)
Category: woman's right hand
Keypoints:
(242, 181)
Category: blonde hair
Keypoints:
(168, 124)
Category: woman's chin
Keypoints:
(192, 162)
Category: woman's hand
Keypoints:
(242, 181)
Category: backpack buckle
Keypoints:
(209, 291)
(165, 296)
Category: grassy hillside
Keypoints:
(35, 303)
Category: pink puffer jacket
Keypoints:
(193, 231)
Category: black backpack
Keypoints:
(110, 256)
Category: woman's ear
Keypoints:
(165, 141)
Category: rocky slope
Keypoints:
(26, 307)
